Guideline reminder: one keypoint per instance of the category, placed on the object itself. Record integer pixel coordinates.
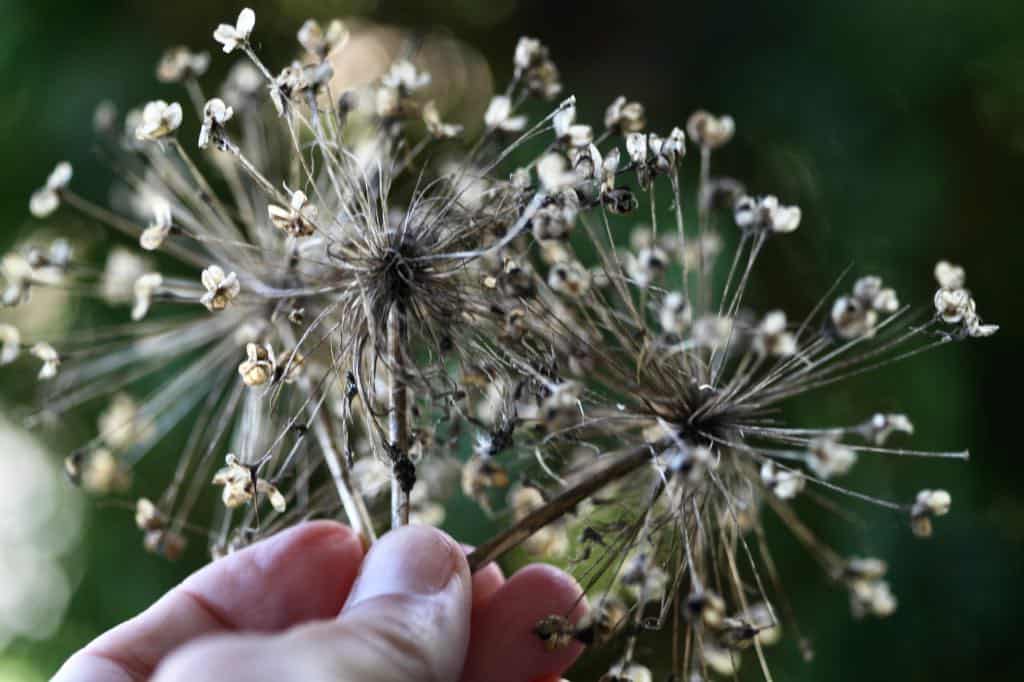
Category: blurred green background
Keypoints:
(898, 127)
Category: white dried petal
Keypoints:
(154, 235)
(145, 286)
(636, 147)
(949, 276)
(221, 289)
(553, 172)
(828, 458)
(404, 77)
(771, 337)
(10, 343)
(435, 126)
(710, 131)
(232, 37)
(937, 502)
(675, 314)
(215, 114)
(48, 355)
(259, 366)
(712, 331)
(499, 116)
(46, 200)
(159, 119)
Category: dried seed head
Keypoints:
(871, 597)
(710, 131)
(827, 457)
(179, 63)
(319, 43)
(569, 278)
(437, 128)
(153, 236)
(675, 314)
(241, 485)
(99, 472)
(555, 631)
(625, 117)
(928, 504)
(878, 429)
(10, 344)
(147, 516)
(705, 608)
(233, 37)
(772, 338)
(259, 365)
(159, 120)
(785, 484)
(221, 289)
(298, 219)
(949, 276)
(144, 288)
(499, 116)
(215, 114)
(46, 200)
(166, 543)
(48, 355)
(122, 424)
(632, 672)
(765, 214)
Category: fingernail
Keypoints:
(411, 560)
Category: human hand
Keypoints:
(307, 605)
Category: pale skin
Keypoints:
(309, 604)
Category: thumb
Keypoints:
(406, 618)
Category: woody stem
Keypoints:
(402, 472)
(561, 505)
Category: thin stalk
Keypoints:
(561, 505)
(398, 423)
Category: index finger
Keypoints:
(298, 575)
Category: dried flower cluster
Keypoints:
(343, 288)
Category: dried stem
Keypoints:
(562, 504)
(398, 424)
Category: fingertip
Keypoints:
(504, 647)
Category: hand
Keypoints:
(306, 605)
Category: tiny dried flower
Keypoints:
(499, 116)
(10, 343)
(710, 131)
(221, 289)
(46, 200)
(241, 485)
(297, 219)
(49, 357)
(404, 78)
(143, 289)
(233, 37)
(159, 119)
(259, 365)
(437, 128)
(772, 338)
(625, 117)
(827, 457)
(766, 214)
(878, 429)
(928, 504)
(154, 235)
(318, 42)
(180, 63)
(215, 114)
(19, 276)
